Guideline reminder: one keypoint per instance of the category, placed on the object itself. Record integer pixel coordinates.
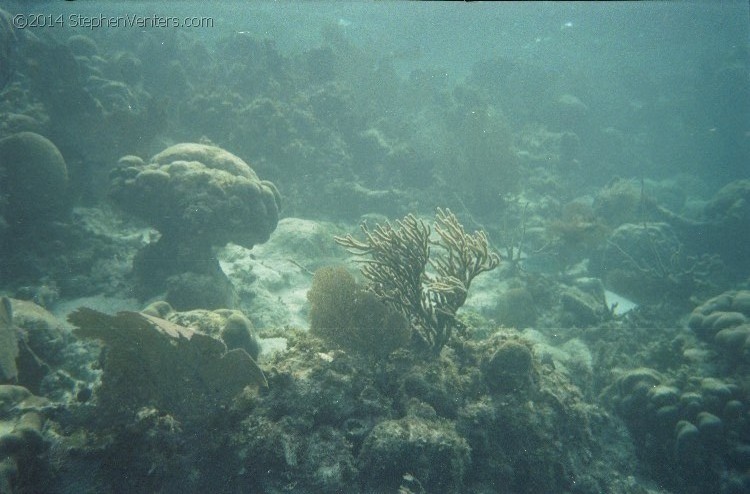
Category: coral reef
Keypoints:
(197, 196)
(179, 418)
(32, 344)
(330, 421)
(516, 308)
(397, 271)
(32, 340)
(413, 446)
(728, 214)
(510, 368)
(413, 379)
(96, 110)
(583, 304)
(482, 166)
(620, 201)
(273, 279)
(649, 264)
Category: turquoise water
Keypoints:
(177, 180)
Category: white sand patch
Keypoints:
(272, 279)
(621, 304)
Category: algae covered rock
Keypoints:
(153, 362)
(510, 368)
(21, 440)
(429, 450)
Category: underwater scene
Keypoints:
(359, 247)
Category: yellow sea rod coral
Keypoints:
(397, 270)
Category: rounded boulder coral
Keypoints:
(198, 197)
(34, 179)
(198, 192)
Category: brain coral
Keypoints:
(199, 193)
(34, 178)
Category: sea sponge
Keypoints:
(510, 368)
(35, 179)
(347, 314)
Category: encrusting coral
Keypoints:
(397, 270)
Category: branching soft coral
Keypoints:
(397, 270)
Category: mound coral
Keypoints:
(197, 196)
(724, 320)
(35, 179)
